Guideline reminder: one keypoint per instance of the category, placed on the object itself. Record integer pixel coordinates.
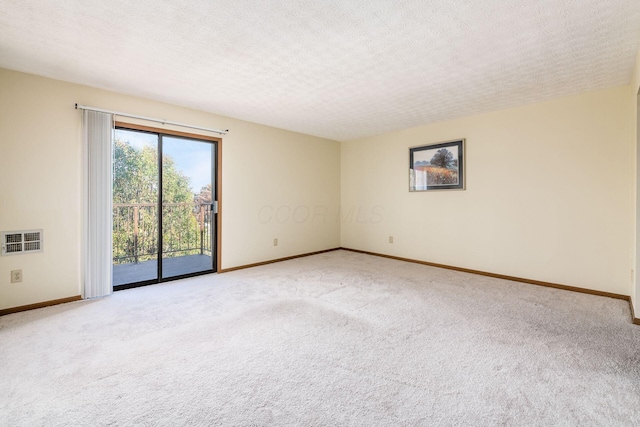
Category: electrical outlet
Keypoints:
(275, 242)
(631, 275)
(390, 239)
(16, 276)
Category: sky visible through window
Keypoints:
(192, 158)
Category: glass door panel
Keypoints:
(135, 207)
(187, 200)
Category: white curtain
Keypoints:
(97, 132)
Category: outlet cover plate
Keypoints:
(16, 276)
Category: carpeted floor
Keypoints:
(333, 339)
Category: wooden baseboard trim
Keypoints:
(500, 276)
(634, 319)
(257, 264)
(39, 305)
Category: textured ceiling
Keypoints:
(340, 69)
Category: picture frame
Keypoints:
(438, 166)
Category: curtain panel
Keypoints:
(97, 134)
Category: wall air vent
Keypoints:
(21, 242)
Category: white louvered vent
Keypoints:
(21, 242)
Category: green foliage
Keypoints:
(175, 185)
(443, 158)
(135, 174)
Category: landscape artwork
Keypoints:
(437, 166)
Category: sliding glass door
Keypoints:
(163, 207)
(135, 207)
(187, 226)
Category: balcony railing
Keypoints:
(186, 230)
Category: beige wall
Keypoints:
(276, 184)
(549, 194)
(634, 101)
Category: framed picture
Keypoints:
(437, 166)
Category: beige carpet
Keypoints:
(334, 339)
